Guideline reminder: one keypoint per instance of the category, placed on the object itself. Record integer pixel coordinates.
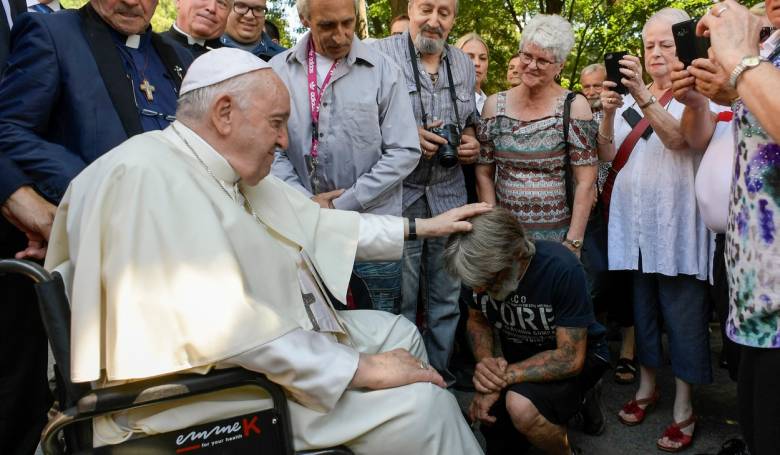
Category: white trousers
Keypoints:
(419, 418)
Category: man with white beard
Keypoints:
(442, 97)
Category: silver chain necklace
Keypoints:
(247, 203)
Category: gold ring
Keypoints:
(423, 365)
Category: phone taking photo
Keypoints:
(612, 63)
(689, 46)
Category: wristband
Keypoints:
(412, 230)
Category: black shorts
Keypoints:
(557, 401)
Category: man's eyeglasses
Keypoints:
(242, 8)
(540, 62)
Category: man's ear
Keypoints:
(223, 113)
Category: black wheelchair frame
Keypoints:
(70, 430)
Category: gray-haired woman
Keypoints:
(524, 153)
(655, 229)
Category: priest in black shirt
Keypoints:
(534, 293)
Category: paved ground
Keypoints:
(715, 406)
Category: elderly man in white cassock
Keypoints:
(186, 255)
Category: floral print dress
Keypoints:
(753, 247)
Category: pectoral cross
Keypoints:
(148, 90)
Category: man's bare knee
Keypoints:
(523, 413)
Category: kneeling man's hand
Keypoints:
(489, 375)
(480, 407)
(394, 368)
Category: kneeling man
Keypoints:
(535, 295)
(186, 255)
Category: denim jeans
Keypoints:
(383, 280)
(423, 264)
(681, 300)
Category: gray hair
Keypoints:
(411, 2)
(304, 8)
(551, 33)
(495, 243)
(592, 68)
(668, 15)
(195, 105)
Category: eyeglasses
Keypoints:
(242, 8)
(540, 62)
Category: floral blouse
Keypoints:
(530, 158)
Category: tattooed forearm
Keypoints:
(480, 335)
(564, 362)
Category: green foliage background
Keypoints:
(600, 26)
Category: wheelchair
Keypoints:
(266, 431)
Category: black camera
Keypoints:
(448, 153)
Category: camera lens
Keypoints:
(448, 155)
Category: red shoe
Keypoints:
(635, 408)
(674, 434)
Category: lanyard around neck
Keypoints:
(413, 57)
(315, 95)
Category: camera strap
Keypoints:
(453, 97)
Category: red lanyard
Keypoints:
(315, 96)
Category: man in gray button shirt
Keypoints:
(353, 138)
(430, 65)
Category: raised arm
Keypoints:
(697, 123)
(734, 33)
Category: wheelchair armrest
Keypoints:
(145, 392)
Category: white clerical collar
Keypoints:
(54, 5)
(190, 39)
(133, 41)
(218, 165)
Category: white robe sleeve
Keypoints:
(381, 238)
(312, 367)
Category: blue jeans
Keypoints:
(383, 280)
(423, 265)
(681, 301)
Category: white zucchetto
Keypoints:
(219, 65)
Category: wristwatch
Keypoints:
(577, 244)
(748, 62)
(652, 100)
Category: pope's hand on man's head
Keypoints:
(450, 222)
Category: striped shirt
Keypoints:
(443, 188)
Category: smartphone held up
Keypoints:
(612, 64)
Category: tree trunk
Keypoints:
(553, 7)
(362, 20)
(398, 7)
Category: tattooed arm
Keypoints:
(563, 362)
(480, 335)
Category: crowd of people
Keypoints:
(359, 221)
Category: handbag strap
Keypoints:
(624, 152)
(568, 179)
